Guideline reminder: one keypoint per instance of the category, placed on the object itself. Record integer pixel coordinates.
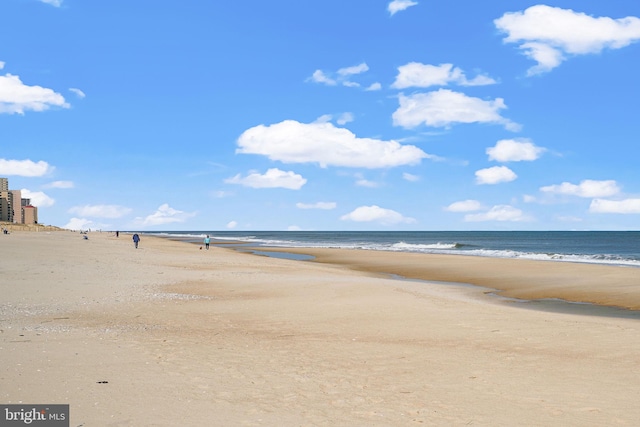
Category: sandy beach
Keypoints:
(173, 335)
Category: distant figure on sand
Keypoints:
(117, 234)
(136, 239)
(207, 240)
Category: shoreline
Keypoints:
(528, 280)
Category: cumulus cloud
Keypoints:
(342, 76)
(464, 206)
(273, 178)
(548, 35)
(399, 5)
(498, 213)
(627, 206)
(495, 175)
(587, 188)
(26, 168)
(38, 198)
(232, 224)
(16, 97)
(59, 184)
(100, 211)
(376, 214)
(444, 107)
(415, 74)
(163, 215)
(515, 150)
(323, 143)
(317, 205)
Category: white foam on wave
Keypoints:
(403, 246)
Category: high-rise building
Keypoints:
(15, 209)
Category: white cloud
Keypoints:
(80, 94)
(627, 206)
(232, 224)
(16, 97)
(356, 69)
(444, 107)
(318, 205)
(55, 3)
(587, 188)
(2, 65)
(345, 118)
(373, 87)
(514, 150)
(294, 228)
(548, 34)
(498, 213)
(547, 57)
(293, 142)
(38, 198)
(59, 184)
(399, 5)
(377, 214)
(164, 215)
(342, 77)
(273, 178)
(495, 175)
(319, 77)
(325, 118)
(464, 206)
(348, 83)
(415, 74)
(79, 224)
(100, 211)
(363, 182)
(26, 168)
(410, 177)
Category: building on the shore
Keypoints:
(15, 209)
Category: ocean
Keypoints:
(597, 247)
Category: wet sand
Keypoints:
(514, 278)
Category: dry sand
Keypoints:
(171, 335)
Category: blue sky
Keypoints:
(332, 115)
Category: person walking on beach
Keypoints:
(207, 240)
(136, 239)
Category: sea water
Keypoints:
(598, 247)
